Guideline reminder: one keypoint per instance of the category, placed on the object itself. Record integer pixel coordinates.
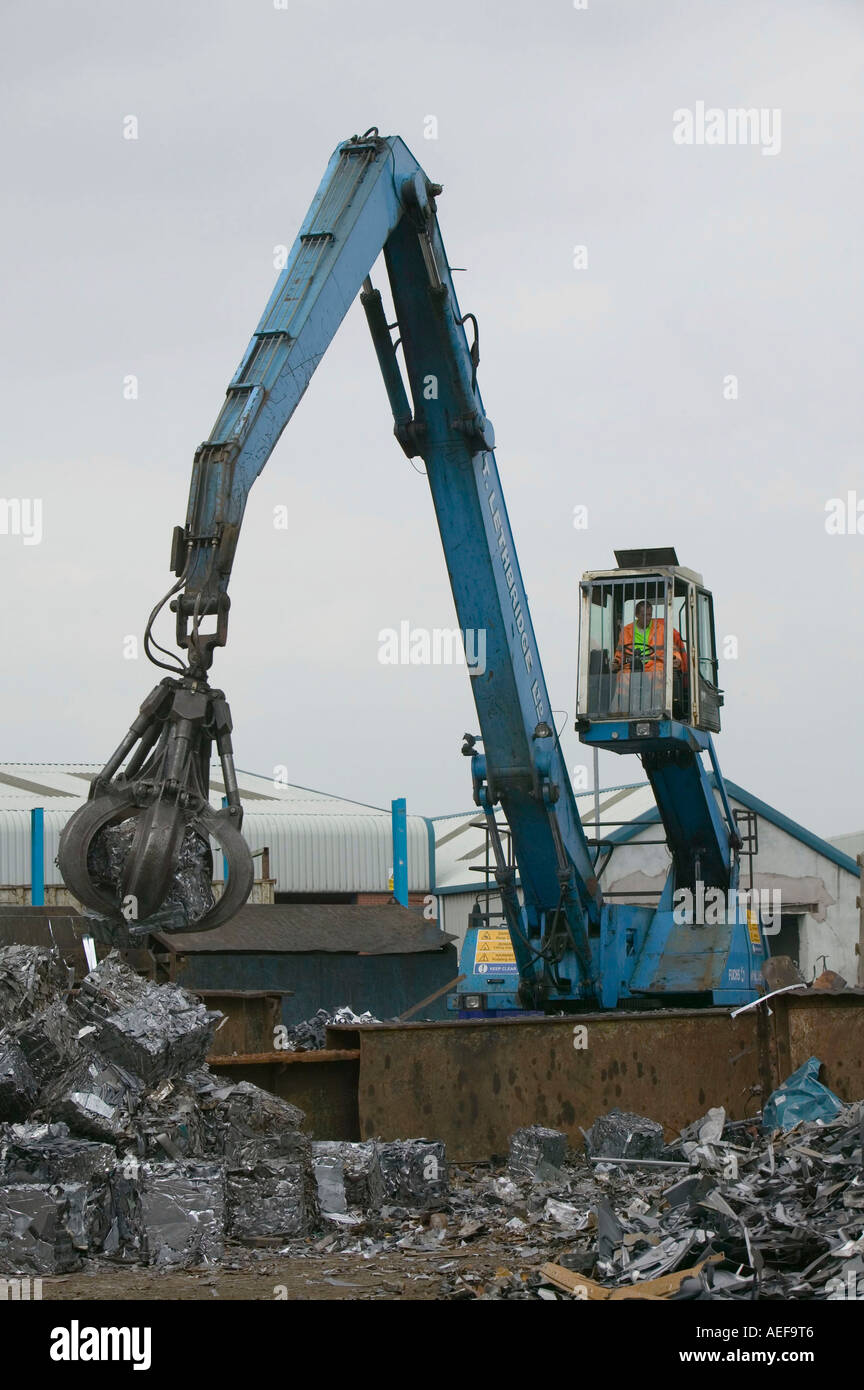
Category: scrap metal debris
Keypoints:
(190, 895)
(125, 1149)
(311, 1034)
(742, 1215)
(761, 1216)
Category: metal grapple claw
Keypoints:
(139, 853)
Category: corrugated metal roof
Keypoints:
(30, 782)
(302, 928)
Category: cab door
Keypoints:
(709, 696)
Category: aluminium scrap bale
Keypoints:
(621, 1134)
(537, 1152)
(110, 988)
(74, 1178)
(30, 978)
(48, 1040)
(276, 1197)
(48, 1153)
(238, 1115)
(414, 1172)
(182, 1212)
(270, 1181)
(95, 1097)
(154, 1031)
(169, 1122)
(348, 1175)
(35, 1235)
(166, 1213)
(190, 893)
(19, 1089)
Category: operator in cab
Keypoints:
(641, 644)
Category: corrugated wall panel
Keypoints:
(336, 854)
(454, 909)
(15, 844)
(308, 853)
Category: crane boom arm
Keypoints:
(373, 197)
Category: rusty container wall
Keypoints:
(473, 1083)
(323, 1084)
(250, 1020)
(828, 1026)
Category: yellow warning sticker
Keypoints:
(494, 947)
(753, 928)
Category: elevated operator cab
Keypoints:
(647, 649)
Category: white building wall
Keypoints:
(454, 909)
(809, 884)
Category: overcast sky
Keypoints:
(607, 385)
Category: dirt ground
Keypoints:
(399, 1275)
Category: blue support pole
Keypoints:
(400, 850)
(224, 857)
(37, 857)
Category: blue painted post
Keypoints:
(400, 850)
(37, 857)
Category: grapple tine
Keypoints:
(129, 852)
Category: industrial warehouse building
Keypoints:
(312, 848)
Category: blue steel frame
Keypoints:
(399, 826)
(37, 857)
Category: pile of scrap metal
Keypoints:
(723, 1211)
(117, 1143)
(310, 1035)
(771, 1208)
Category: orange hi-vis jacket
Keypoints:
(652, 653)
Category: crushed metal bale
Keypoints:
(118, 1143)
